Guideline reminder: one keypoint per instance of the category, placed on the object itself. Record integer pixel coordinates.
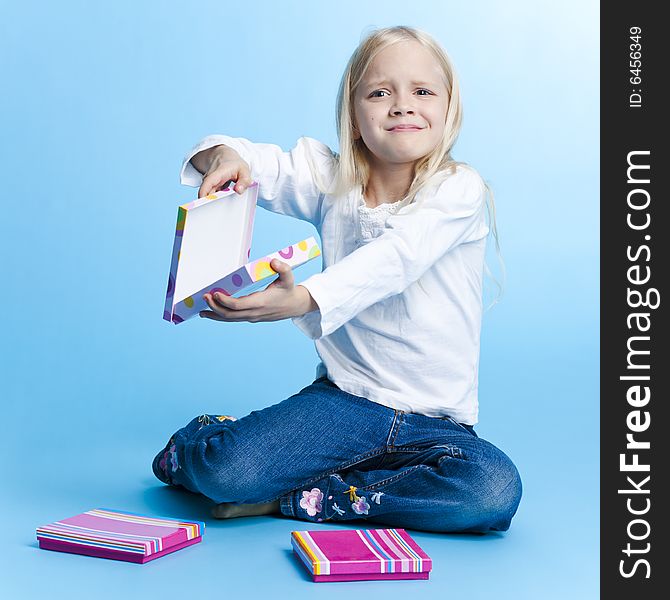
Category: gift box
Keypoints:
(360, 554)
(211, 251)
(119, 535)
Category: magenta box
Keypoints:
(119, 535)
(360, 554)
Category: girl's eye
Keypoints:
(420, 92)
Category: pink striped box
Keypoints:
(360, 554)
(119, 535)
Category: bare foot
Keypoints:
(230, 511)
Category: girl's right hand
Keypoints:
(226, 166)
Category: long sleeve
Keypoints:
(416, 237)
(288, 181)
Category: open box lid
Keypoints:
(212, 239)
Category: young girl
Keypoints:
(385, 432)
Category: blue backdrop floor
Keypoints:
(548, 552)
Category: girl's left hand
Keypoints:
(280, 300)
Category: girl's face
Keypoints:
(400, 106)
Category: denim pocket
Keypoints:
(388, 480)
(469, 428)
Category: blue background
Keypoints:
(100, 102)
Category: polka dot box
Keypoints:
(211, 250)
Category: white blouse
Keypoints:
(399, 295)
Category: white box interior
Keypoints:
(213, 244)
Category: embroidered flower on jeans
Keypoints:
(173, 458)
(163, 462)
(204, 420)
(361, 506)
(170, 454)
(352, 493)
(222, 418)
(311, 501)
(376, 497)
(337, 509)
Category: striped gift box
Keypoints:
(119, 535)
(360, 554)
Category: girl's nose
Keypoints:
(401, 106)
(402, 110)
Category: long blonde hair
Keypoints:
(351, 164)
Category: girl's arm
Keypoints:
(417, 238)
(287, 180)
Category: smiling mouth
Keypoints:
(400, 129)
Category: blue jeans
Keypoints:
(331, 456)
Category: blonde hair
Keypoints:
(353, 167)
(351, 164)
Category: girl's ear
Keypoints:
(356, 133)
